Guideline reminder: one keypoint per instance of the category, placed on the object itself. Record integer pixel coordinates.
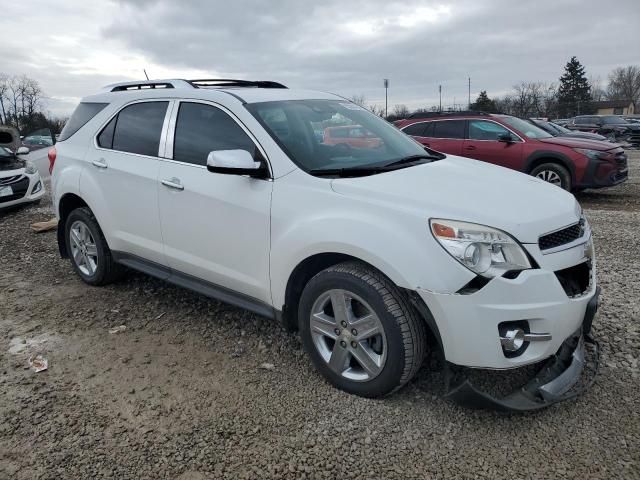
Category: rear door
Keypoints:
(447, 136)
(122, 179)
(482, 144)
(215, 226)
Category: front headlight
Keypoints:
(30, 169)
(483, 250)
(592, 154)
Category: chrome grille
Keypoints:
(561, 237)
(10, 180)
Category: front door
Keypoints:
(483, 144)
(215, 227)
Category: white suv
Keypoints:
(373, 247)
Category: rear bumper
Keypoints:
(552, 384)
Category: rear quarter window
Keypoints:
(84, 112)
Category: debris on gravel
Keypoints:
(179, 395)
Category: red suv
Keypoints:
(571, 163)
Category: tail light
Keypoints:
(52, 158)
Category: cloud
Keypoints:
(347, 47)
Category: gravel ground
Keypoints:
(181, 392)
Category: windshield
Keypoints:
(333, 134)
(525, 128)
(560, 128)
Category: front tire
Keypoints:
(88, 250)
(553, 173)
(360, 331)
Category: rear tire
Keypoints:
(88, 250)
(381, 344)
(554, 174)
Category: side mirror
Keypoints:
(22, 151)
(505, 137)
(235, 162)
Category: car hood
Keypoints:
(585, 135)
(578, 143)
(468, 190)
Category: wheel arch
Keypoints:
(68, 203)
(306, 269)
(538, 158)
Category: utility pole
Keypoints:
(386, 97)
(440, 92)
(469, 93)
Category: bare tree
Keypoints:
(400, 111)
(20, 100)
(598, 93)
(624, 84)
(359, 100)
(4, 88)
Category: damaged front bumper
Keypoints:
(554, 383)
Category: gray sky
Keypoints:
(343, 46)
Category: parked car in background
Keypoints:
(20, 181)
(351, 136)
(38, 142)
(221, 186)
(570, 163)
(561, 121)
(560, 131)
(614, 127)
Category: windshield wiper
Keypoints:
(348, 171)
(414, 158)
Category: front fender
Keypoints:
(391, 239)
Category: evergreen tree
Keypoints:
(484, 104)
(574, 93)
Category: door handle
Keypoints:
(100, 163)
(469, 147)
(173, 183)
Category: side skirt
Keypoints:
(195, 284)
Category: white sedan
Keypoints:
(20, 181)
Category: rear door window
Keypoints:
(449, 129)
(138, 128)
(416, 129)
(81, 115)
(201, 129)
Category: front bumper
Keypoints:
(468, 324)
(600, 174)
(24, 194)
(553, 383)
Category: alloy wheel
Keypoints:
(348, 335)
(550, 176)
(83, 248)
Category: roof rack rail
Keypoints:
(230, 82)
(467, 113)
(142, 85)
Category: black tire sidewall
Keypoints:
(391, 374)
(563, 173)
(96, 233)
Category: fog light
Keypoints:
(37, 187)
(512, 340)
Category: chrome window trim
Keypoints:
(520, 139)
(122, 107)
(233, 116)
